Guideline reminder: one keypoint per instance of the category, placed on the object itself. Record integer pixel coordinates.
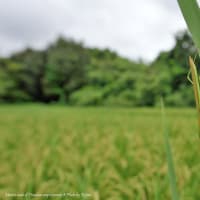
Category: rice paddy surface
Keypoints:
(96, 153)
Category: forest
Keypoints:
(70, 73)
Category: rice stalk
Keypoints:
(191, 13)
(169, 156)
(196, 87)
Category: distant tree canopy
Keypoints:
(68, 72)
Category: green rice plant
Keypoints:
(120, 156)
(196, 87)
(169, 155)
(191, 12)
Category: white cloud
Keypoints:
(198, 1)
(133, 28)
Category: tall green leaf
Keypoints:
(169, 156)
(191, 12)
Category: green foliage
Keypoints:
(10, 78)
(182, 98)
(67, 72)
(87, 96)
(66, 69)
(32, 65)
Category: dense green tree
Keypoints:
(176, 60)
(111, 80)
(173, 65)
(66, 69)
(10, 82)
(32, 71)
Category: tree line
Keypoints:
(68, 72)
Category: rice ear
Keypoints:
(196, 87)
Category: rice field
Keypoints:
(96, 153)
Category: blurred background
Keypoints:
(108, 52)
(80, 89)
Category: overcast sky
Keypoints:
(134, 28)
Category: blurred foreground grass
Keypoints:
(110, 153)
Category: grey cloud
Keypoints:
(132, 28)
(169, 4)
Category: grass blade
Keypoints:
(170, 162)
(191, 13)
